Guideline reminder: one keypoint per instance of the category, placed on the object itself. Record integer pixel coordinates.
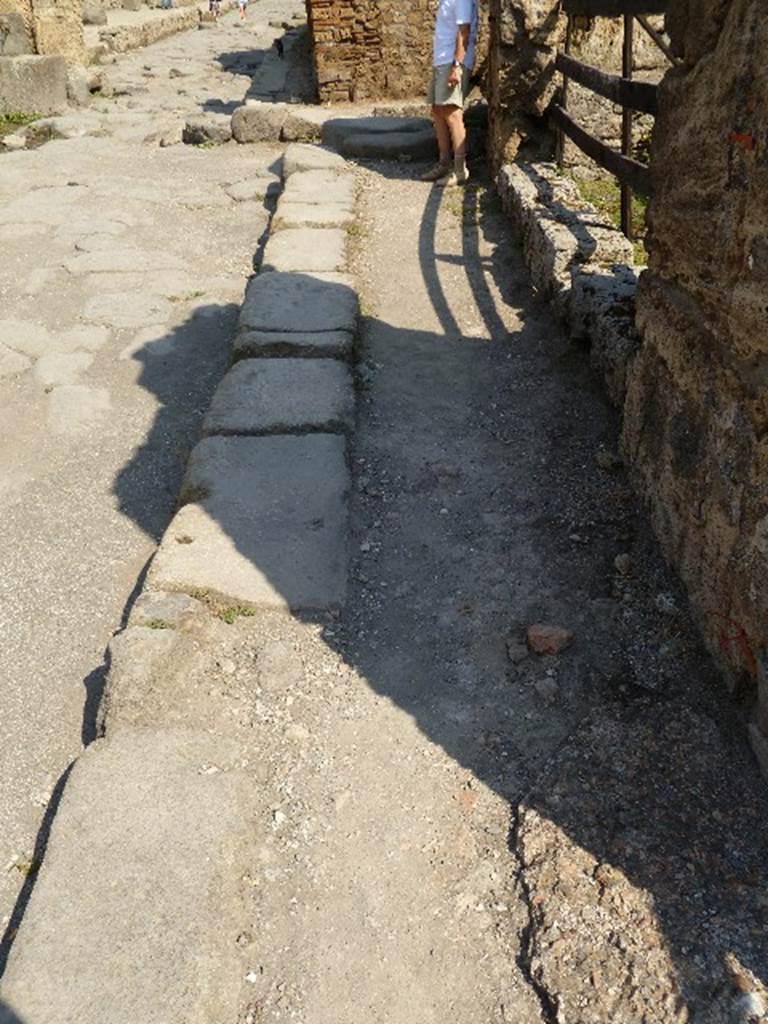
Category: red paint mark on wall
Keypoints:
(735, 641)
(747, 141)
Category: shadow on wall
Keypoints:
(621, 778)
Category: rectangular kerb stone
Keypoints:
(266, 525)
(135, 914)
(283, 396)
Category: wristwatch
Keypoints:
(458, 64)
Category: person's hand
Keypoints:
(454, 77)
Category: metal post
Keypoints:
(560, 150)
(627, 62)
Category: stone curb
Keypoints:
(137, 906)
(583, 265)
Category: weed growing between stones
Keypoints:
(605, 196)
(10, 122)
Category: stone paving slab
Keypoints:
(283, 396)
(320, 187)
(310, 215)
(303, 345)
(313, 250)
(268, 527)
(300, 303)
(134, 916)
(301, 157)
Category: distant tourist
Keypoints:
(214, 7)
(452, 62)
(243, 5)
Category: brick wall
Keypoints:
(372, 49)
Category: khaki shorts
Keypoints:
(441, 93)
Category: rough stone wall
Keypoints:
(59, 29)
(525, 38)
(696, 424)
(16, 27)
(53, 27)
(370, 49)
(374, 49)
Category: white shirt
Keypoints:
(450, 15)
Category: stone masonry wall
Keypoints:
(525, 38)
(374, 49)
(371, 49)
(52, 27)
(696, 424)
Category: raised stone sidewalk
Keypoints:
(146, 850)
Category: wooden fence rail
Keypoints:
(621, 89)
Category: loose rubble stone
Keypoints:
(547, 639)
(207, 128)
(258, 122)
(266, 526)
(547, 689)
(140, 829)
(623, 564)
(283, 396)
(310, 250)
(300, 303)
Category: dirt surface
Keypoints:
(448, 826)
(123, 268)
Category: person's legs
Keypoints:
(443, 143)
(454, 120)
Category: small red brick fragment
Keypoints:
(545, 639)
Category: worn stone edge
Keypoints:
(188, 633)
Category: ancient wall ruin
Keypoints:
(44, 27)
(525, 38)
(374, 49)
(696, 424)
(371, 49)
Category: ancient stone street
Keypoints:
(343, 678)
(123, 270)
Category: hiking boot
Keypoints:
(438, 171)
(458, 175)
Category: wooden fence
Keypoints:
(630, 95)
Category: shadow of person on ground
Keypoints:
(638, 766)
(7, 1016)
(633, 768)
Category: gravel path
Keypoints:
(123, 267)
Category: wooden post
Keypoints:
(626, 123)
(560, 149)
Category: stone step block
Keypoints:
(337, 129)
(313, 250)
(300, 157)
(311, 215)
(283, 396)
(320, 187)
(136, 912)
(300, 345)
(300, 303)
(266, 525)
(390, 145)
